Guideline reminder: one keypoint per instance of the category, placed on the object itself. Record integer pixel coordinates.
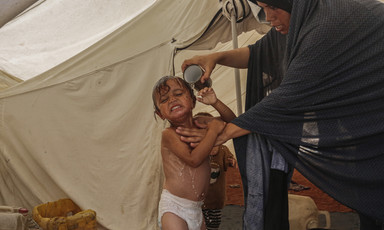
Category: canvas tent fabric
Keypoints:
(34, 43)
(11, 8)
(78, 121)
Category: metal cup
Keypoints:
(192, 75)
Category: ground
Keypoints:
(322, 200)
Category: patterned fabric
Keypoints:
(212, 218)
(216, 195)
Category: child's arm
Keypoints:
(225, 112)
(193, 157)
(208, 97)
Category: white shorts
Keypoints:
(188, 210)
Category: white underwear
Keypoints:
(188, 210)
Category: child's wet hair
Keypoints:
(162, 84)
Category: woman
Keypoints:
(326, 117)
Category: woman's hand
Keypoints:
(203, 121)
(236, 58)
(193, 136)
(217, 125)
(206, 62)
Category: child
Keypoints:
(186, 170)
(220, 159)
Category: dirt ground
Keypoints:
(322, 200)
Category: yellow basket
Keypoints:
(64, 214)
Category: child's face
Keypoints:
(174, 102)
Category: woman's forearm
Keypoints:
(194, 136)
(231, 131)
(236, 58)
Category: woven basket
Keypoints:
(64, 214)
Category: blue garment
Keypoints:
(255, 162)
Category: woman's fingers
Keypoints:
(206, 75)
(194, 145)
(191, 135)
(194, 141)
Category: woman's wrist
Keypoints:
(232, 131)
(216, 57)
(221, 139)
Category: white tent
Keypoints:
(76, 111)
(11, 8)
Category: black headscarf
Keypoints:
(281, 4)
(327, 116)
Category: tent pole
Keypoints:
(237, 72)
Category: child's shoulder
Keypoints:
(169, 133)
(169, 130)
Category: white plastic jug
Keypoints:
(304, 214)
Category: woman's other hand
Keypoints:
(195, 135)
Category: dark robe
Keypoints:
(327, 116)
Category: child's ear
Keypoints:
(159, 114)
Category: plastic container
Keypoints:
(13, 218)
(304, 215)
(192, 75)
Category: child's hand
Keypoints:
(207, 96)
(232, 162)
